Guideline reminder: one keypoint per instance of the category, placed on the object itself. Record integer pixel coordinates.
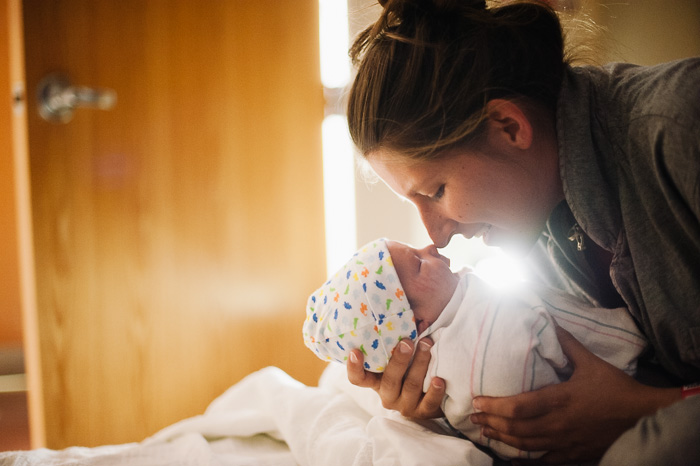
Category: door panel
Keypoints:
(178, 235)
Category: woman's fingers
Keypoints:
(412, 387)
(574, 421)
(523, 406)
(574, 349)
(431, 405)
(400, 386)
(521, 443)
(357, 375)
(413, 402)
(500, 413)
(391, 387)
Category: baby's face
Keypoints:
(426, 278)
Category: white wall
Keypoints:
(647, 32)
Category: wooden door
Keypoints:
(177, 236)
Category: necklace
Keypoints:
(576, 234)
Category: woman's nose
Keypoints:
(429, 250)
(440, 229)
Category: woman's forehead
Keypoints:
(395, 157)
(397, 160)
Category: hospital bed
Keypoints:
(269, 418)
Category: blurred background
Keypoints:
(156, 252)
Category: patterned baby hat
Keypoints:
(361, 306)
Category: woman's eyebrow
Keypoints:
(413, 187)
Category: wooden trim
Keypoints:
(13, 45)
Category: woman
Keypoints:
(474, 115)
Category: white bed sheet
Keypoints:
(269, 418)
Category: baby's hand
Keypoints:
(403, 394)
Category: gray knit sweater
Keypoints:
(629, 147)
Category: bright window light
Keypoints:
(335, 65)
(339, 192)
(338, 161)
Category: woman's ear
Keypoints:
(509, 120)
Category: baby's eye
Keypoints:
(439, 193)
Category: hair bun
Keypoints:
(460, 5)
(433, 14)
(446, 6)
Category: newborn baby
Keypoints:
(486, 342)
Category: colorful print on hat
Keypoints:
(364, 306)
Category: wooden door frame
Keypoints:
(14, 130)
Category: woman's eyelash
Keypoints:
(440, 192)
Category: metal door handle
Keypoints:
(58, 98)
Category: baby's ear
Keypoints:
(509, 121)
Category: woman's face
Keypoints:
(426, 278)
(503, 197)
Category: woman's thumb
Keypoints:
(573, 349)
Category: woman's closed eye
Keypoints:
(439, 193)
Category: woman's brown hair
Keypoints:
(426, 69)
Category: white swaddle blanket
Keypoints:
(495, 343)
(271, 419)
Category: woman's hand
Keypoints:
(401, 390)
(576, 420)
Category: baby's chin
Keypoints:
(455, 280)
(422, 325)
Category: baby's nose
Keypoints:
(433, 251)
